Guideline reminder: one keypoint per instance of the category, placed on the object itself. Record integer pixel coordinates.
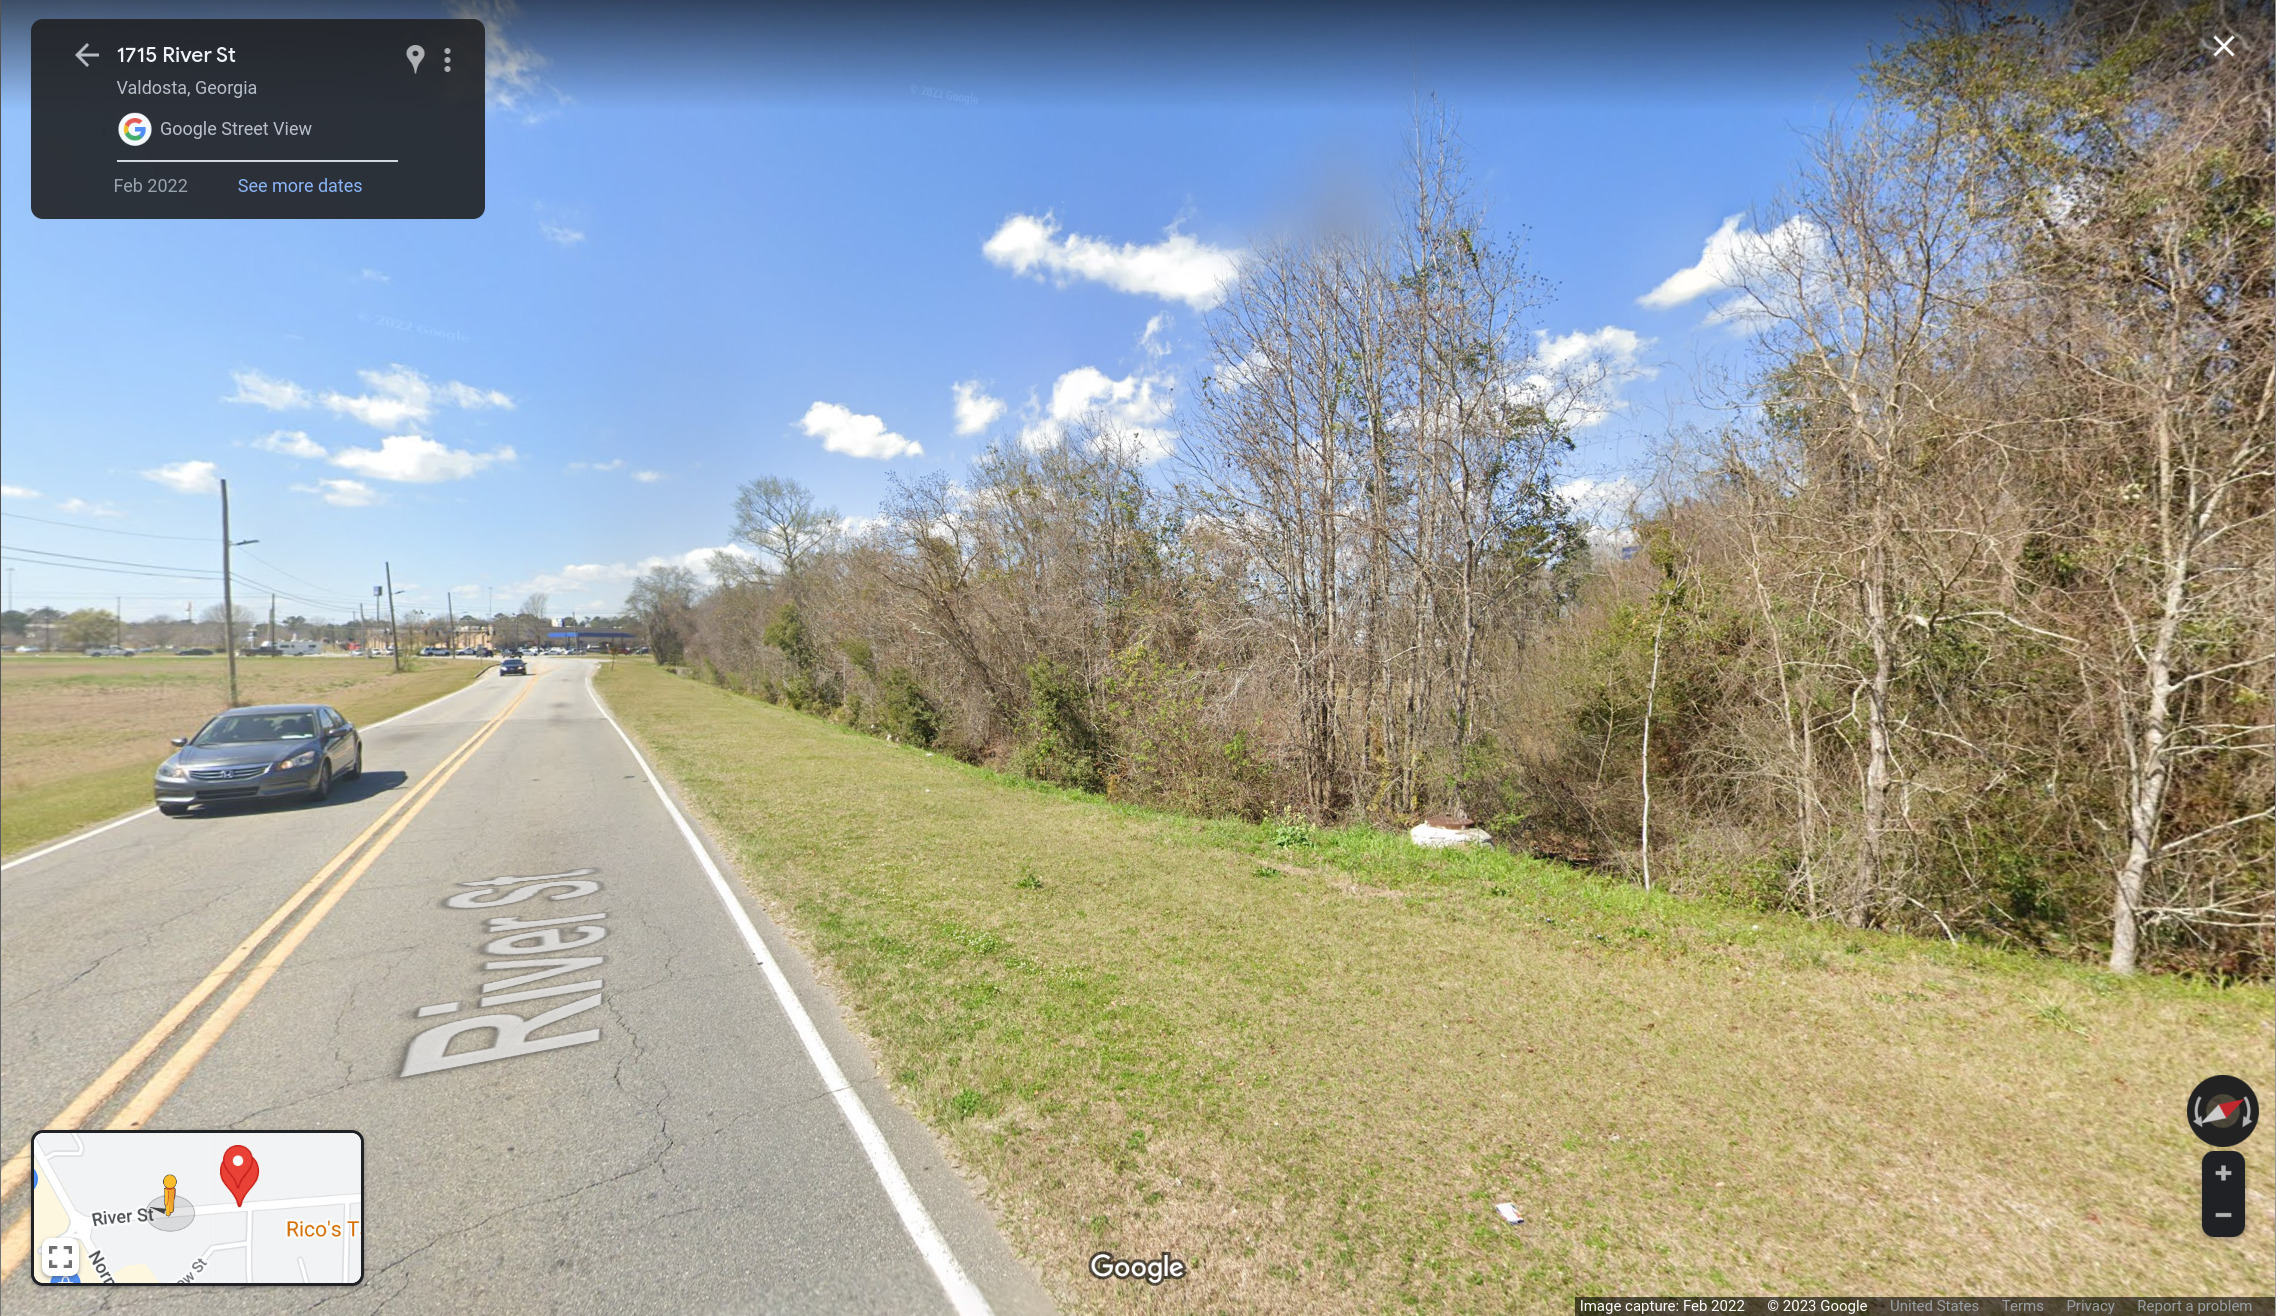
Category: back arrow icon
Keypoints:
(85, 54)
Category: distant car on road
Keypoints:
(512, 667)
(270, 751)
(193, 653)
(110, 651)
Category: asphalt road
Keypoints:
(692, 1158)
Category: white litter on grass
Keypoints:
(1508, 1211)
(1437, 838)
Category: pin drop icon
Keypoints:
(415, 54)
(239, 1171)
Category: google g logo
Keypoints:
(134, 129)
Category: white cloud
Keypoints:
(1152, 342)
(1603, 508)
(1244, 372)
(1731, 258)
(511, 69)
(81, 507)
(560, 234)
(589, 577)
(1178, 268)
(189, 477)
(1133, 410)
(1583, 372)
(473, 399)
(397, 396)
(402, 396)
(374, 276)
(17, 491)
(291, 443)
(261, 391)
(341, 493)
(616, 464)
(1601, 502)
(854, 434)
(415, 459)
(975, 410)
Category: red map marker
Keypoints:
(239, 1172)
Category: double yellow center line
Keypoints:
(356, 859)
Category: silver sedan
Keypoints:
(269, 752)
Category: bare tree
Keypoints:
(781, 519)
(1858, 288)
(664, 599)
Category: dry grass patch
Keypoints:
(1147, 1033)
(82, 734)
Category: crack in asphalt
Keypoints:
(152, 935)
(646, 1163)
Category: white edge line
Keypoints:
(143, 812)
(92, 832)
(962, 1293)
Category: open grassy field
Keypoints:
(79, 736)
(1309, 1064)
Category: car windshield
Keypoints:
(255, 728)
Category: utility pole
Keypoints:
(120, 619)
(450, 633)
(394, 645)
(363, 634)
(228, 601)
(272, 622)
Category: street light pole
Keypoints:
(228, 600)
(394, 644)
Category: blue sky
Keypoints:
(715, 250)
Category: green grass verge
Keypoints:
(82, 735)
(1310, 1063)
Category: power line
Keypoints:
(105, 596)
(116, 562)
(286, 574)
(267, 588)
(113, 571)
(100, 529)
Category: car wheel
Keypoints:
(357, 771)
(323, 788)
(173, 810)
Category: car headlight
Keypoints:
(172, 771)
(300, 760)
